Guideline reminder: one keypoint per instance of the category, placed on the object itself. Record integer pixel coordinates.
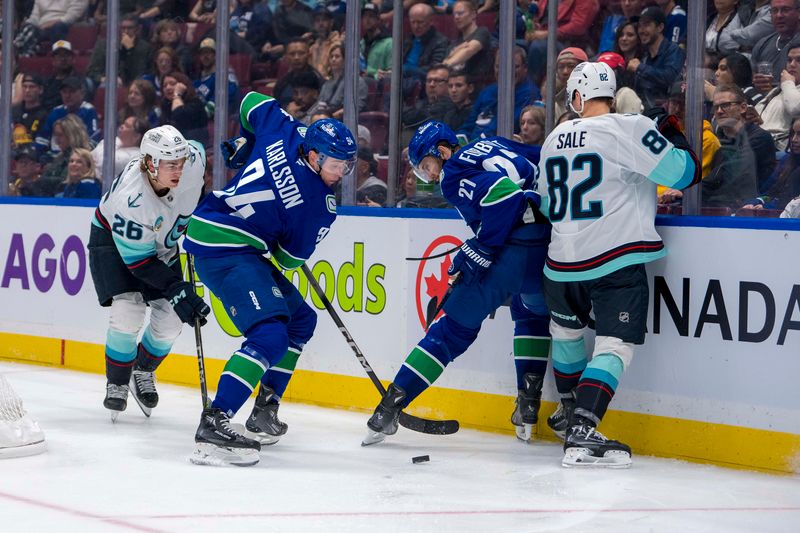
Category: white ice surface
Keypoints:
(135, 476)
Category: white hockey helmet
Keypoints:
(591, 80)
(164, 142)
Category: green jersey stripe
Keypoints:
(251, 101)
(286, 260)
(501, 190)
(209, 233)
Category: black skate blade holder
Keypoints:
(414, 423)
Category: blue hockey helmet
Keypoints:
(425, 142)
(332, 139)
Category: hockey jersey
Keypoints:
(275, 204)
(485, 181)
(597, 178)
(143, 224)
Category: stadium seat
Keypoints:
(42, 65)
(383, 167)
(240, 63)
(487, 19)
(374, 94)
(82, 63)
(377, 122)
(716, 211)
(83, 38)
(99, 100)
(444, 24)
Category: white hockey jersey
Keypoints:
(597, 178)
(143, 224)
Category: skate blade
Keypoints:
(524, 432)
(561, 435)
(263, 438)
(211, 455)
(114, 416)
(146, 410)
(373, 437)
(583, 458)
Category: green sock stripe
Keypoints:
(426, 365)
(289, 361)
(247, 369)
(531, 347)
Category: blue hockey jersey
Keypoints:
(275, 204)
(485, 181)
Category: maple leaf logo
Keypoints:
(436, 288)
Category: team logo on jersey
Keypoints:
(178, 229)
(132, 203)
(432, 280)
(158, 223)
(330, 203)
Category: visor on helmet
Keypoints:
(428, 169)
(339, 167)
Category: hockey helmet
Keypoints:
(425, 142)
(164, 143)
(591, 80)
(332, 140)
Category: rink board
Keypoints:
(715, 380)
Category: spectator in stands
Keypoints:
(134, 54)
(376, 43)
(661, 63)
(574, 19)
(26, 177)
(81, 179)
(436, 103)
(756, 24)
(676, 105)
(63, 67)
(675, 26)
(331, 95)
(182, 108)
(784, 184)
(717, 38)
(734, 68)
(261, 33)
(531, 125)
(613, 19)
(782, 103)
(746, 155)
(297, 57)
(205, 85)
(325, 38)
(145, 10)
(370, 190)
(472, 50)
(567, 60)
(631, 8)
(461, 91)
(770, 51)
(204, 11)
(483, 118)
(425, 46)
(291, 19)
(69, 133)
(241, 17)
(564, 117)
(165, 60)
(129, 137)
(141, 103)
(627, 45)
(364, 136)
(52, 18)
(167, 34)
(72, 96)
(305, 92)
(28, 116)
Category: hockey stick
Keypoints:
(435, 256)
(198, 338)
(431, 317)
(421, 425)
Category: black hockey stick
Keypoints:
(442, 254)
(198, 337)
(432, 316)
(421, 425)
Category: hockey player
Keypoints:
(133, 256)
(281, 202)
(490, 182)
(597, 178)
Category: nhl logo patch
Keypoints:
(157, 224)
(233, 311)
(624, 317)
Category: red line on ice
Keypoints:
(75, 512)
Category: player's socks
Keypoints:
(598, 383)
(240, 376)
(278, 376)
(120, 356)
(569, 361)
(420, 369)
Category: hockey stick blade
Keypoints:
(420, 425)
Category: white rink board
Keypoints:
(705, 378)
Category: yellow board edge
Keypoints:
(702, 442)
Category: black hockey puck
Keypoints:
(421, 459)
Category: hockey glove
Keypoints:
(235, 152)
(472, 260)
(187, 304)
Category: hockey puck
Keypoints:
(421, 459)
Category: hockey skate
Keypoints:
(116, 399)
(384, 420)
(559, 421)
(143, 389)
(526, 412)
(263, 424)
(585, 446)
(217, 444)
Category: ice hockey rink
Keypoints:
(134, 475)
